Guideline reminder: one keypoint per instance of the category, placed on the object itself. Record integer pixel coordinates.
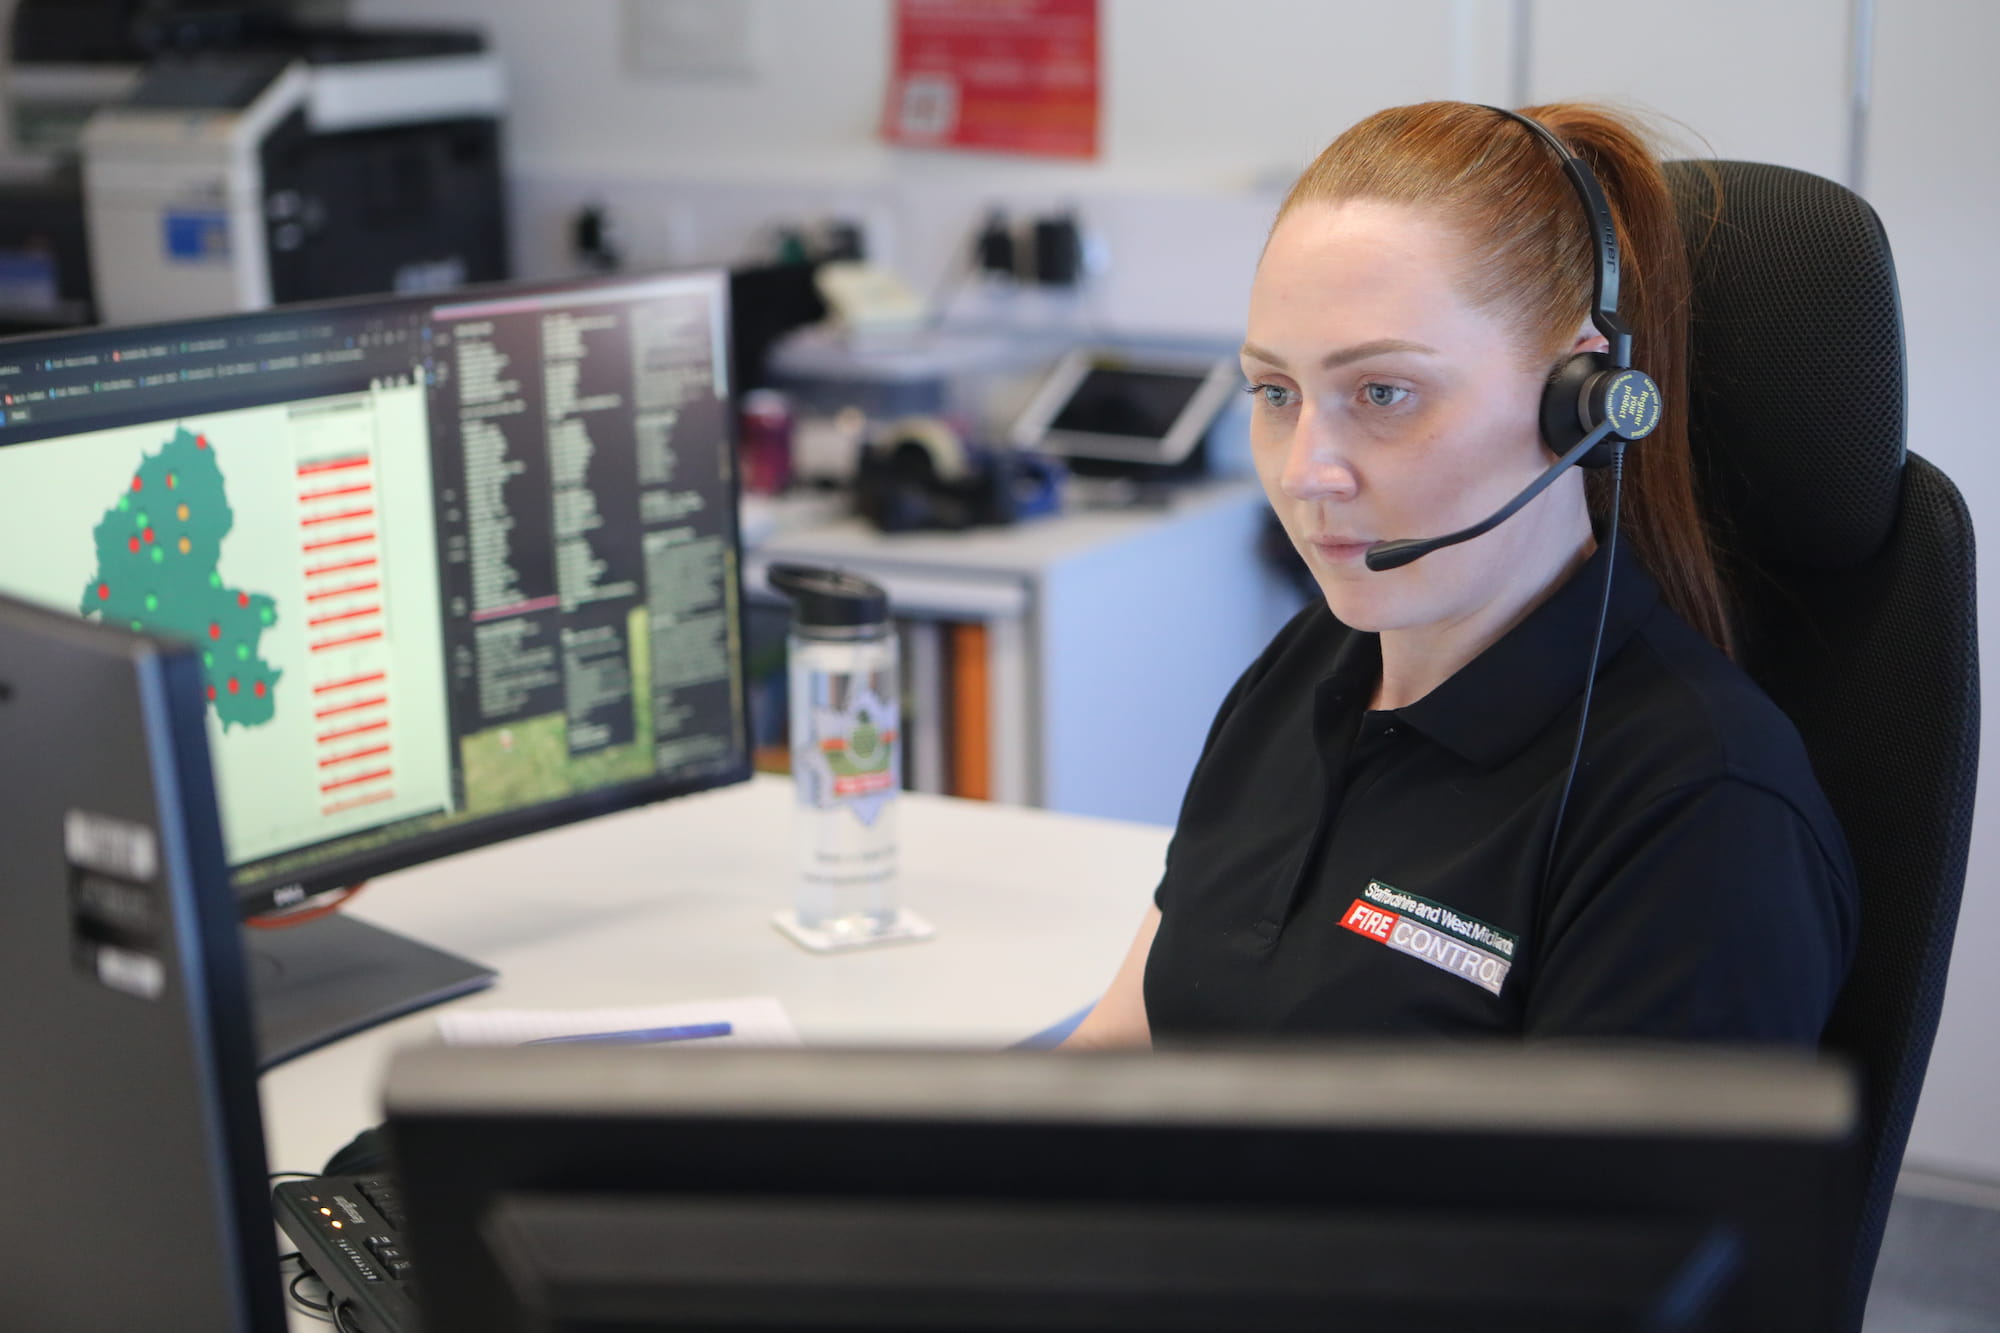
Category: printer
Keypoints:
(249, 158)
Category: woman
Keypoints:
(1384, 834)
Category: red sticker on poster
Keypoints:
(1011, 76)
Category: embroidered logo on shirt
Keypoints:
(1464, 946)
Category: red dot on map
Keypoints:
(232, 684)
(138, 485)
(172, 481)
(211, 694)
(214, 631)
(147, 534)
(133, 542)
(201, 441)
(103, 592)
(260, 689)
(243, 599)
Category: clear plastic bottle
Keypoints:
(846, 741)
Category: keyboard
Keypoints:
(348, 1230)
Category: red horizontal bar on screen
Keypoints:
(327, 687)
(332, 465)
(354, 781)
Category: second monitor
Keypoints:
(459, 569)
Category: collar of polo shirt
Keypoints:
(1509, 694)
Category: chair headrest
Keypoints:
(1796, 373)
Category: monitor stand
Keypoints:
(319, 981)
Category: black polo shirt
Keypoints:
(1342, 871)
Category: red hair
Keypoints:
(1528, 256)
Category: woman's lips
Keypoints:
(1340, 550)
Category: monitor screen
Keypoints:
(458, 569)
(1412, 1187)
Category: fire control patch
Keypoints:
(1464, 946)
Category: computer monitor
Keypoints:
(459, 568)
(1448, 1186)
(135, 1191)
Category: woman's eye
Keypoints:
(1384, 395)
(1272, 395)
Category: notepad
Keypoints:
(753, 1021)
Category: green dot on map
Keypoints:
(214, 579)
(242, 652)
(136, 627)
(139, 519)
(152, 601)
(124, 503)
(158, 555)
(265, 615)
(208, 659)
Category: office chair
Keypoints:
(1852, 563)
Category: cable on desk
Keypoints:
(339, 1321)
(322, 1312)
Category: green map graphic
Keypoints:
(157, 551)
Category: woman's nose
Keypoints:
(1316, 468)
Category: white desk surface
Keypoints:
(807, 527)
(673, 902)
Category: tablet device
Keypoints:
(1116, 408)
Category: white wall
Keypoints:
(1764, 81)
(1194, 92)
(1209, 107)
(1934, 175)
(1207, 112)
(1776, 87)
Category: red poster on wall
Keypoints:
(1011, 76)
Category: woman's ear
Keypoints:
(1589, 340)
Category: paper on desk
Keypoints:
(754, 1021)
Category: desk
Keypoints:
(673, 902)
(1112, 635)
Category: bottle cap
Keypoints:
(830, 598)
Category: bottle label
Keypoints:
(851, 756)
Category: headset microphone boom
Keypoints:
(1595, 403)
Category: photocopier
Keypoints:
(176, 161)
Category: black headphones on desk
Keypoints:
(919, 473)
(1595, 403)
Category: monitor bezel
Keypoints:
(156, 777)
(1361, 1132)
(269, 893)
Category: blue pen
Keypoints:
(686, 1032)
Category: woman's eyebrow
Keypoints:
(1343, 356)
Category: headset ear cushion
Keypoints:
(1566, 416)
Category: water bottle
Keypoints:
(846, 742)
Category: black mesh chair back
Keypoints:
(1852, 564)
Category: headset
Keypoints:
(919, 472)
(1595, 403)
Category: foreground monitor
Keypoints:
(134, 1148)
(458, 570)
(1384, 1188)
